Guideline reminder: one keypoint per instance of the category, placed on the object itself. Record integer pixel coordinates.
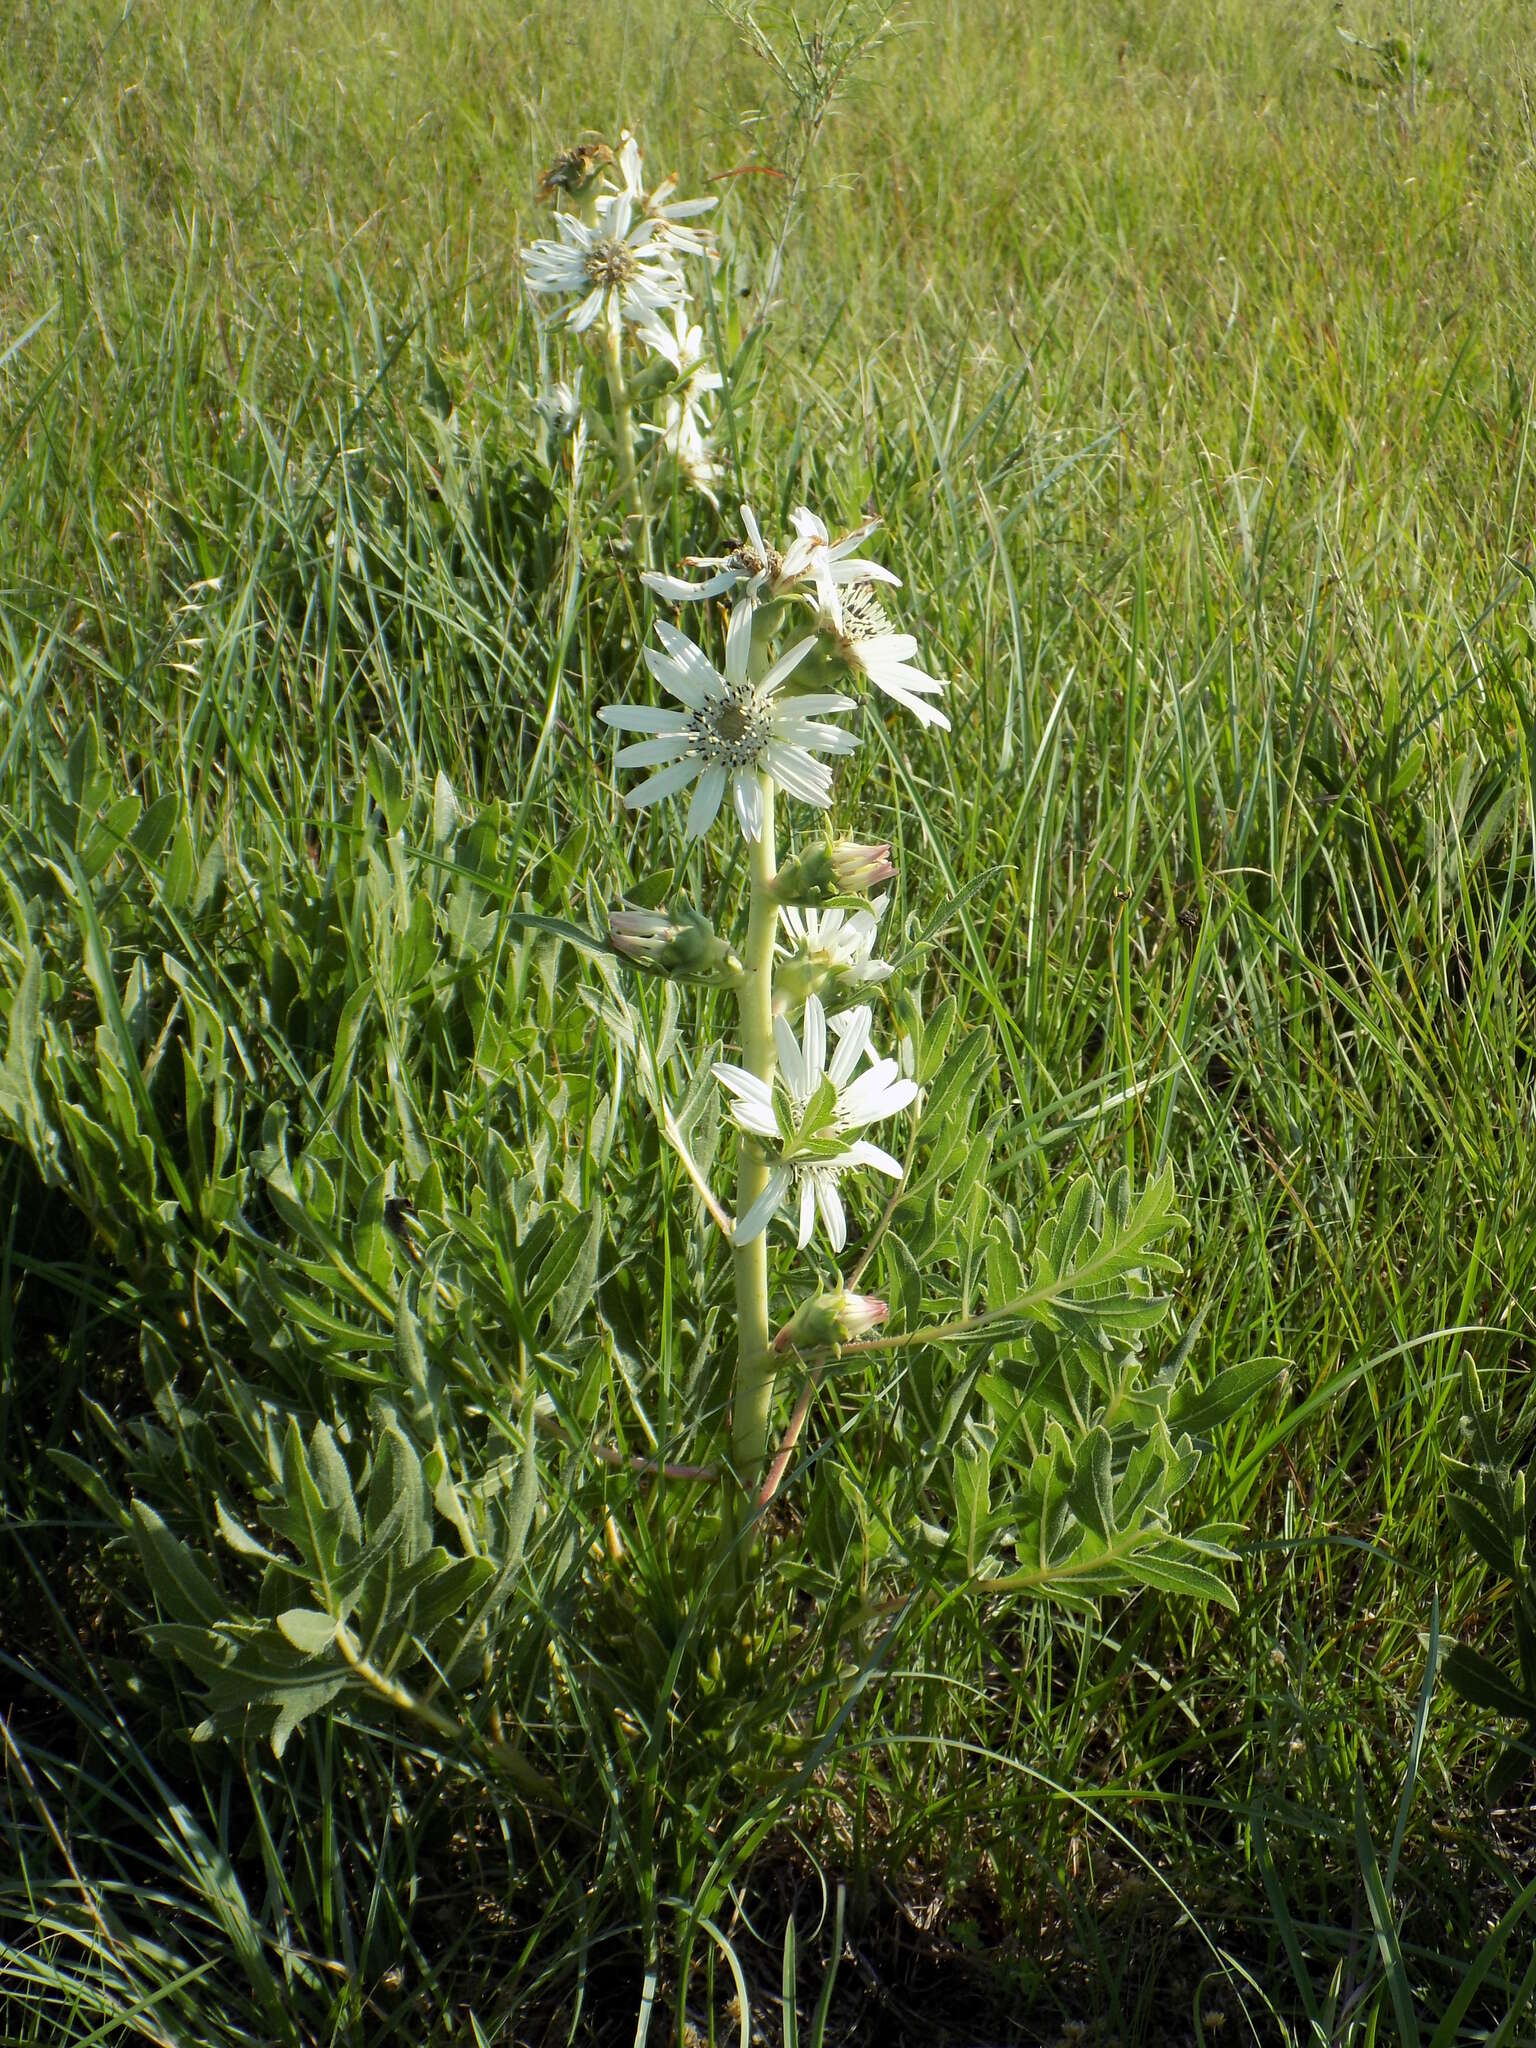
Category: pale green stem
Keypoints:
(405, 1701)
(624, 434)
(755, 1362)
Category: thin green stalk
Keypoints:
(531, 1782)
(624, 438)
(754, 996)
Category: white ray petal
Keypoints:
(665, 782)
(705, 807)
(743, 1084)
(786, 664)
(872, 1156)
(794, 562)
(791, 1065)
(858, 569)
(813, 1036)
(830, 1203)
(647, 753)
(692, 660)
(738, 643)
(747, 796)
(751, 1116)
(676, 590)
(864, 1104)
(818, 704)
(826, 593)
(675, 679)
(643, 718)
(853, 1029)
(764, 1209)
(839, 549)
(799, 776)
(925, 714)
(887, 647)
(813, 737)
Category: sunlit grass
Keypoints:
(1194, 384)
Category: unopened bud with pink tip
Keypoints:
(679, 943)
(861, 868)
(837, 867)
(827, 1320)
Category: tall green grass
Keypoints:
(1194, 383)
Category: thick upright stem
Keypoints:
(624, 436)
(754, 1362)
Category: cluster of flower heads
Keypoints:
(617, 260)
(839, 587)
(770, 712)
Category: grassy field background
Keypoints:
(1189, 354)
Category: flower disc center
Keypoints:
(732, 734)
(610, 264)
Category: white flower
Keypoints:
(811, 1164)
(685, 428)
(768, 573)
(685, 436)
(558, 405)
(683, 347)
(868, 643)
(833, 945)
(732, 730)
(659, 206)
(614, 265)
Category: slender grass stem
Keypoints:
(533, 1784)
(755, 1362)
(624, 439)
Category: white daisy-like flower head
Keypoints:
(558, 405)
(732, 730)
(828, 1100)
(769, 573)
(829, 950)
(866, 641)
(685, 428)
(658, 205)
(682, 345)
(613, 265)
(686, 436)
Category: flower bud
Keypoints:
(827, 1320)
(837, 867)
(679, 942)
(861, 868)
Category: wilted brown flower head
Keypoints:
(573, 170)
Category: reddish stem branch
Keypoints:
(790, 1438)
(653, 1468)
